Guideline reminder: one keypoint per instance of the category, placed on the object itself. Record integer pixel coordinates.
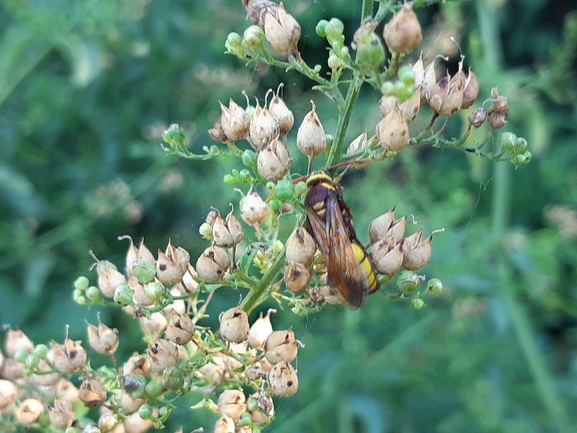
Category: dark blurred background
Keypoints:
(87, 89)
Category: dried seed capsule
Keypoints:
(92, 393)
(260, 330)
(282, 31)
(17, 341)
(137, 364)
(234, 121)
(478, 117)
(418, 256)
(403, 33)
(380, 225)
(498, 112)
(107, 421)
(410, 107)
(8, 394)
(103, 339)
(29, 411)
(180, 329)
(471, 90)
(386, 256)
(172, 265)
(446, 96)
(253, 208)
(297, 277)
(224, 424)
(283, 380)
(108, 277)
(162, 354)
(220, 233)
(232, 403)
(359, 143)
(429, 82)
(212, 264)
(387, 103)
(311, 138)
(263, 128)
(61, 414)
(273, 161)
(234, 325)
(300, 247)
(281, 346)
(392, 131)
(284, 117)
(69, 357)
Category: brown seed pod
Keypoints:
(380, 225)
(61, 414)
(311, 138)
(281, 346)
(162, 354)
(283, 380)
(281, 30)
(297, 277)
(232, 403)
(263, 128)
(212, 264)
(386, 256)
(300, 247)
(29, 411)
(260, 330)
(68, 357)
(234, 121)
(403, 33)
(279, 110)
(92, 393)
(273, 161)
(392, 131)
(253, 209)
(103, 339)
(234, 325)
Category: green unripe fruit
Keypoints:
(93, 293)
(300, 188)
(285, 189)
(334, 28)
(41, 350)
(173, 378)
(81, 283)
(123, 295)
(406, 75)
(434, 286)
(249, 158)
(154, 291)
(228, 179)
(320, 28)
(174, 136)
(417, 303)
(144, 271)
(21, 356)
(146, 412)
(134, 385)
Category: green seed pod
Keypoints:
(173, 378)
(434, 286)
(123, 295)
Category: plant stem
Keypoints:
(260, 293)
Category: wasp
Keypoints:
(330, 222)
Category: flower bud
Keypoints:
(61, 414)
(386, 256)
(260, 330)
(224, 424)
(16, 341)
(180, 329)
(281, 346)
(29, 411)
(498, 112)
(103, 339)
(297, 277)
(253, 37)
(284, 117)
(263, 128)
(172, 264)
(92, 393)
(471, 90)
(478, 117)
(144, 271)
(300, 247)
(253, 208)
(282, 31)
(162, 354)
(234, 325)
(416, 257)
(311, 138)
(8, 394)
(392, 131)
(234, 121)
(403, 33)
(123, 295)
(69, 357)
(434, 286)
(273, 161)
(283, 380)
(232, 402)
(380, 225)
(212, 264)
(137, 364)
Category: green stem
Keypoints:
(260, 292)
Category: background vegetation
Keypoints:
(86, 90)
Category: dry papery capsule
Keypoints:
(273, 161)
(471, 91)
(410, 108)
(478, 117)
(68, 357)
(260, 330)
(297, 277)
(253, 208)
(92, 393)
(283, 380)
(446, 97)
(379, 226)
(212, 264)
(497, 114)
(281, 113)
(387, 256)
(224, 424)
(232, 403)
(300, 247)
(172, 264)
(108, 277)
(61, 414)
(403, 32)
(134, 254)
(8, 394)
(234, 324)
(162, 354)
(137, 364)
(227, 233)
(416, 254)
(281, 30)
(234, 121)
(135, 424)
(180, 329)
(359, 143)
(311, 137)
(103, 340)
(29, 411)
(392, 131)
(281, 346)
(263, 127)
(16, 341)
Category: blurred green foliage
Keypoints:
(86, 90)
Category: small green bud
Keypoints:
(334, 62)
(334, 28)
(300, 188)
(76, 294)
(277, 246)
(146, 412)
(285, 189)
(434, 286)
(134, 385)
(275, 205)
(519, 159)
(507, 141)
(174, 136)
(320, 28)
(40, 350)
(417, 303)
(244, 176)
(123, 295)
(228, 179)
(154, 291)
(406, 75)
(249, 158)
(205, 231)
(388, 88)
(520, 145)
(253, 37)
(21, 356)
(173, 378)
(370, 52)
(233, 44)
(81, 300)
(245, 419)
(144, 271)
(32, 361)
(403, 91)
(81, 283)
(93, 293)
